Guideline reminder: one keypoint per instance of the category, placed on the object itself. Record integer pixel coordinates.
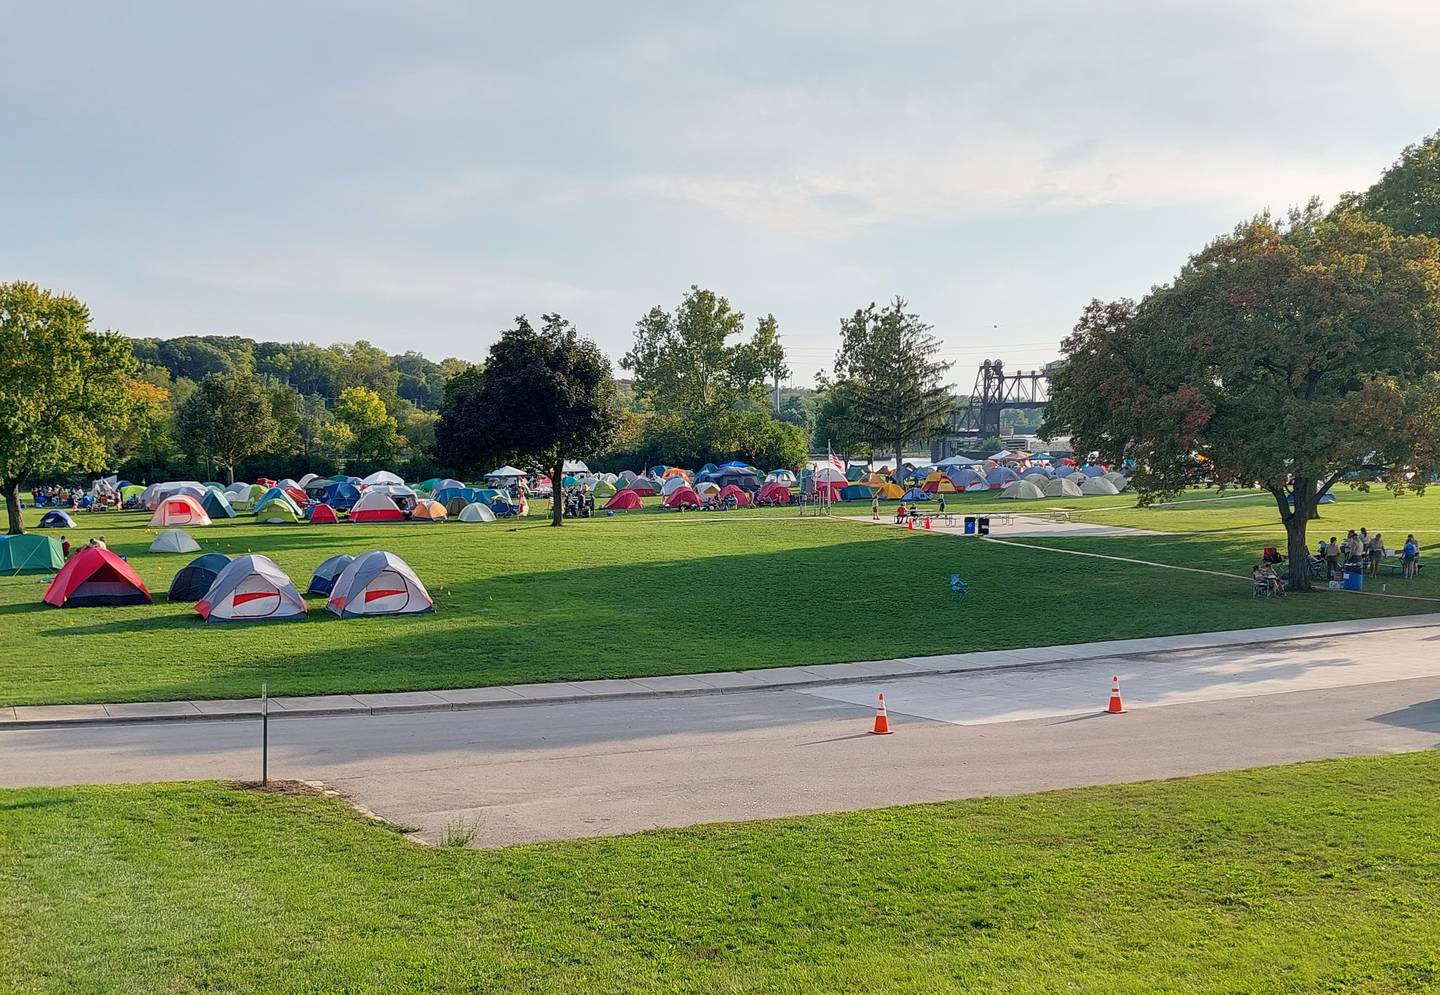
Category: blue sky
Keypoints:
(418, 174)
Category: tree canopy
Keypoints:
(372, 428)
(889, 379)
(65, 390)
(228, 418)
(1295, 354)
(1407, 196)
(544, 395)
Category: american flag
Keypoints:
(835, 461)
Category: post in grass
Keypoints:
(264, 734)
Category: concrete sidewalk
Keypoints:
(773, 679)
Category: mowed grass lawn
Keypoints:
(1317, 877)
(607, 597)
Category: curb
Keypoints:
(1214, 641)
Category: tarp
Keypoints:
(174, 541)
(179, 509)
(322, 581)
(29, 554)
(683, 497)
(56, 520)
(476, 512)
(96, 577)
(626, 500)
(251, 588)
(376, 507)
(195, 577)
(378, 583)
(217, 505)
(322, 514)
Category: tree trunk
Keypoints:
(1296, 518)
(12, 505)
(229, 473)
(899, 456)
(557, 493)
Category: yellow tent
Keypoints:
(891, 492)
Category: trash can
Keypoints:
(982, 525)
(969, 525)
(1354, 580)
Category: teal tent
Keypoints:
(216, 505)
(28, 553)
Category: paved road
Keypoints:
(588, 768)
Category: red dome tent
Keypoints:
(729, 491)
(682, 497)
(643, 486)
(624, 501)
(775, 492)
(96, 577)
(323, 514)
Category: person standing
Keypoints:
(875, 507)
(65, 547)
(1410, 558)
(1376, 553)
(1332, 559)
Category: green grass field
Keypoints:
(1309, 878)
(612, 597)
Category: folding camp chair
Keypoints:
(957, 585)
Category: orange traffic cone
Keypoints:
(910, 523)
(882, 719)
(927, 522)
(1116, 705)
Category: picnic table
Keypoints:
(1060, 514)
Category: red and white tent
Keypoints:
(374, 506)
(378, 583)
(179, 509)
(251, 589)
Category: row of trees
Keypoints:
(1297, 353)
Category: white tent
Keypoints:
(306, 480)
(1060, 487)
(573, 466)
(828, 474)
(476, 512)
(378, 583)
(507, 473)
(1095, 486)
(1118, 479)
(174, 541)
(956, 461)
(251, 588)
(1022, 490)
(382, 477)
(672, 485)
(1001, 455)
(239, 487)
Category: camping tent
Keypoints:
(217, 505)
(277, 494)
(938, 483)
(96, 577)
(378, 583)
(277, 510)
(428, 511)
(643, 486)
(322, 582)
(858, 492)
(741, 498)
(376, 507)
(427, 487)
(966, 476)
(682, 497)
(1097, 486)
(57, 519)
(1118, 479)
(179, 509)
(382, 477)
(322, 514)
(626, 500)
(195, 577)
(308, 479)
(1022, 490)
(174, 541)
(707, 488)
(891, 492)
(775, 492)
(603, 488)
(1001, 475)
(854, 474)
(782, 476)
(506, 474)
(673, 484)
(915, 494)
(955, 461)
(1059, 487)
(251, 588)
(674, 472)
(24, 554)
(476, 512)
(1091, 470)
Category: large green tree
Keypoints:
(228, 418)
(545, 394)
(1292, 354)
(65, 389)
(1407, 196)
(889, 376)
(697, 358)
(374, 430)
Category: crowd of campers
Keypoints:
(1342, 562)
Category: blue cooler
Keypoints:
(1354, 580)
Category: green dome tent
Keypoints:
(25, 554)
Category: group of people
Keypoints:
(102, 498)
(902, 511)
(65, 547)
(1363, 552)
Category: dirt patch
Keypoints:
(281, 787)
